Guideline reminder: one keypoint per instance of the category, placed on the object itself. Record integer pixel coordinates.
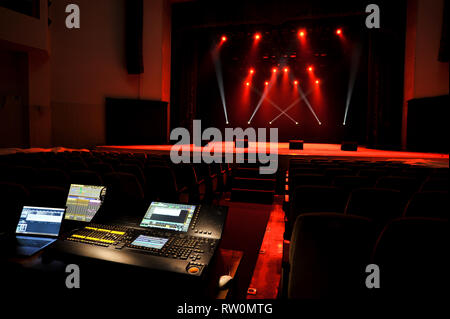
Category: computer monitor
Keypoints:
(40, 221)
(84, 201)
(168, 216)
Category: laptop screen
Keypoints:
(40, 221)
(84, 201)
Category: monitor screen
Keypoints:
(169, 216)
(84, 201)
(150, 242)
(40, 221)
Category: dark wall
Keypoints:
(428, 124)
(135, 122)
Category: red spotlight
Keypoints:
(274, 70)
(247, 83)
(266, 83)
(224, 38)
(317, 81)
(339, 31)
(257, 36)
(252, 70)
(295, 82)
(310, 69)
(301, 33)
(286, 70)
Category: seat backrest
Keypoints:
(53, 177)
(125, 195)
(308, 179)
(428, 204)
(379, 204)
(13, 197)
(309, 199)
(328, 255)
(406, 185)
(412, 254)
(134, 169)
(161, 182)
(85, 177)
(350, 183)
(48, 196)
(435, 184)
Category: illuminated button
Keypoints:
(193, 270)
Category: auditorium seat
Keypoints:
(412, 254)
(312, 199)
(378, 204)
(186, 176)
(210, 179)
(406, 185)
(23, 175)
(349, 183)
(331, 173)
(85, 177)
(304, 170)
(13, 197)
(125, 195)
(48, 196)
(134, 169)
(428, 204)
(373, 173)
(162, 185)
(328, 255)
(308, 179)
(435, 184)
(53, 177)
(101, 168)
(76, 165)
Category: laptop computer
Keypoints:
(38, 227)
(83, 203)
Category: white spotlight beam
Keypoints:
(277, 107)
(219, 76)
(351, 83)
(309, 105)
(263, 96)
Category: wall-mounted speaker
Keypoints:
(134, 11)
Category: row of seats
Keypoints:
(342, 216)
(132, 180)
(330, 253)
(377, 196)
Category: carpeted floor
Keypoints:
(244, 230)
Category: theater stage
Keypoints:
(310, 150)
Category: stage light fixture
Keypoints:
(247, 83)
(257, 36)
(266, 83)
(295, 82)
(224, 38)
(310, 68)
(252, 70)
(274, 70)
(270, 123)
(286, 70)
(296, 123)
(248, 122)
(301, 34)
(317, 81)
(339, 31)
